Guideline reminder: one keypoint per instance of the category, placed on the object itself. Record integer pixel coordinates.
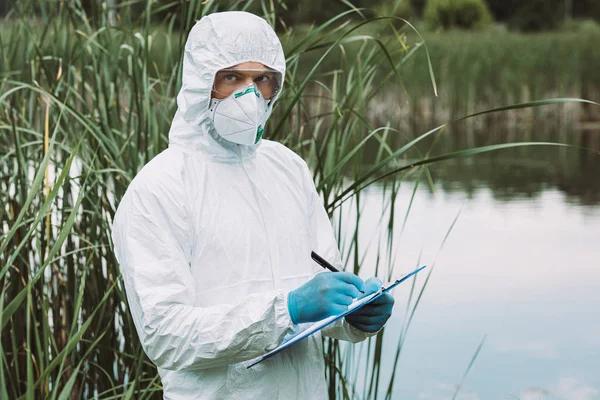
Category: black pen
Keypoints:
(323, 263)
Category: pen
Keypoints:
(323, 263)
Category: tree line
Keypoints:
(522, 15)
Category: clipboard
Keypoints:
(317, 326)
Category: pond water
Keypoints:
(521, 267)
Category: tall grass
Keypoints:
(84, 105)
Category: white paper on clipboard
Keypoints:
(312, 328)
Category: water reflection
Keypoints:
(516, 172)
(527, 172)
(521, 265)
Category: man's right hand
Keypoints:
(327, 294)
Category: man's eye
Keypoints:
(262, 79)
(230, 77)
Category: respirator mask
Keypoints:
(245, 103)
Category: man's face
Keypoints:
(230, 79)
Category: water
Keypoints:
(521, 265)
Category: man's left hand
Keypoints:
(374, 315)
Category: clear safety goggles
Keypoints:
(228, 80)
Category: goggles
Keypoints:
(228, 80)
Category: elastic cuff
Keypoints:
(293, 318)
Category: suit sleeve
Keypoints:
(151, 242)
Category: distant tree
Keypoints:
(586, 9)
(288, 12)
(463, 14)
(503, 10)
(538, 15)
(318, 11)
(418, 6)
(535, 15)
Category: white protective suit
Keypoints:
(211, 236)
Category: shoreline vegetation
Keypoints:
(493, 60)
(84, 106)
(473, 70)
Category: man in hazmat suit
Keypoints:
(214, 234)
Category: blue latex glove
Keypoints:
(327, 294)
(374, 315)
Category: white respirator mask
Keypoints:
(241, 116)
